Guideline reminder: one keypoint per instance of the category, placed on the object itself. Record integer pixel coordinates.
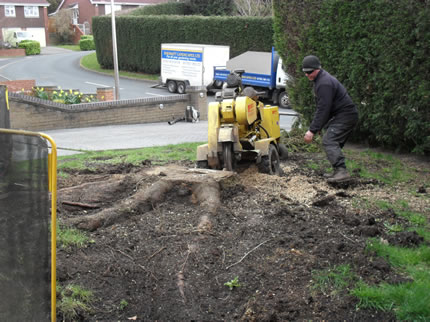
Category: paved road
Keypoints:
(60, 67)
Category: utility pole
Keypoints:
(115, 52)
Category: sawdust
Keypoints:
(296, 188)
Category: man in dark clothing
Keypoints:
(335, 110)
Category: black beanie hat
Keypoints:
(311, 63)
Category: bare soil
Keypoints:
(169, 255)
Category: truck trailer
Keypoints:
(263, 71)
(190, 65)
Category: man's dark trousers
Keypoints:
(335, 138)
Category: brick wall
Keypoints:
(12, 52)
(25, 85)
(33, 114)
(105, 94)
(77, 33)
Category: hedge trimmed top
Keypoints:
(139, 38)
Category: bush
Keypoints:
(32, 47)
(86, 44)
(378, 49)
(170, 8)
(191, 7)
(62, 25)
(211, 7)
(139, 38)
(83, 37)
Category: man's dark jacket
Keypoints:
(333, 102)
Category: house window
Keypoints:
(31, 11)
(75, 16)
(9, 11)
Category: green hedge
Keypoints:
(86, 44)
(191, 7)
(32, 47)
(211, 7)
(83, 37)
(139, 38)
(378, 49)
(170, 8)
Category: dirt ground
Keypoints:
(169, 260)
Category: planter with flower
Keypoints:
(59, 95)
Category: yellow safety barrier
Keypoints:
(52, 175)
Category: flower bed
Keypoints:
(59, 95)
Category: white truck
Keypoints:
(263, 71)
(190, 64)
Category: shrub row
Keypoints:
(191, 7)
(169, 8)
(86, 43)
(139, 38)
(378, 49)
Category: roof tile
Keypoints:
(137, 2)
(24, 2)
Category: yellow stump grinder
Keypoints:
(240, 127)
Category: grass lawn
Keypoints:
(90, 62)
(70, 47)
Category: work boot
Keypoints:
(340, 174)
(328, 175)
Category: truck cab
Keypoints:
(263, 71)
(282, 78)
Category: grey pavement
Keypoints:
(50, 50)
(115, 137)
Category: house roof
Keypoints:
(129, 2)
(118, 2)
(39, 3)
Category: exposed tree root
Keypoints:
(79, 204)
(96, 193)
(181, 285)
(140, 202)
(205, 192)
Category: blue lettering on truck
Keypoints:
(247, 78)
(182, 55)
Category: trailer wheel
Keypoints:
(284, 100)
(270, 163)
(172, 86)
(218, 83)
(181, 87)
